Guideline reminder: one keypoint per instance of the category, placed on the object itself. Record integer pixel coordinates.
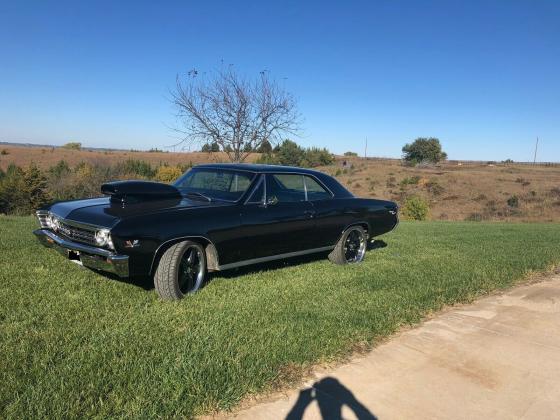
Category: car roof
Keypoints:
(332, 184)
(258, 168)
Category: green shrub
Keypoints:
(415, 208)
(350, 154)
(23, 191)
(210, 148)
(168, 173)
(413, 180)
(135, 168)
(289, 153)
(265, 147)
(73, 145)
(513, 202)
(434, 187)
(4, 152)
(423, 150)
(316, 157)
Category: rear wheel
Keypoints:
(181, 270)
(351, 247)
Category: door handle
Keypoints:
(309, 213)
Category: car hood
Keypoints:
(102, 212)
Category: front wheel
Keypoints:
(351, 247)
(181, 270)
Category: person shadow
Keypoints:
(331, 396)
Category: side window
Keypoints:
(315, 191)
(257, 197)
(239, 183)
(286, 188)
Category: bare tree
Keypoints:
(237, 114)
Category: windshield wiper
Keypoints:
(195, 194)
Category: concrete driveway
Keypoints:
(497, 358)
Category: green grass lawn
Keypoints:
(75, 343)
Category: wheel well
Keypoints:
(365, 226)
(361, 224)
(210, 249)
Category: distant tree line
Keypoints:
(264, 147)
(287, 153)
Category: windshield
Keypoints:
(215, 184)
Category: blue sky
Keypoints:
(483, 76)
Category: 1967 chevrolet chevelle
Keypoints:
(214, 217)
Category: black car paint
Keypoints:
(238, 231)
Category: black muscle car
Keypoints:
(214, 217)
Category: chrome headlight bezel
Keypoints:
(103, 238)
(53, 222)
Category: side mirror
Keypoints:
(271, 201)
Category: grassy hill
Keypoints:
(75, 343)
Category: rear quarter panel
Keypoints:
(334, 216)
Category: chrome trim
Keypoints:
(255, 175)
(273, 257)
(85, 226)
(41, 216)
(82, 225)
(304, 174)
(398, 221)
(92, 257)
(355, 224)
(259, 182)
(179, 239)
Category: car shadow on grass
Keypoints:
(331, 396)
(283, 263)
(147, 282)
(144, 282)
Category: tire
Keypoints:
(181, 270)
(347, 250)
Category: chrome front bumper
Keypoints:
(89, 256)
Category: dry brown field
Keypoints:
(468, 191)
(46, 157)
(474, 191)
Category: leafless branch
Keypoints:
(236, 114)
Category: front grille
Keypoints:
(77, 234)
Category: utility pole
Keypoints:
(536, 147)
(365, 150)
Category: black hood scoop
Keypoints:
(133, 192)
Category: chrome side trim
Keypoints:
(273, 257)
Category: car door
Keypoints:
(277, 218)
(330, 215)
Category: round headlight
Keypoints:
(103, 238)
(53, 222)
